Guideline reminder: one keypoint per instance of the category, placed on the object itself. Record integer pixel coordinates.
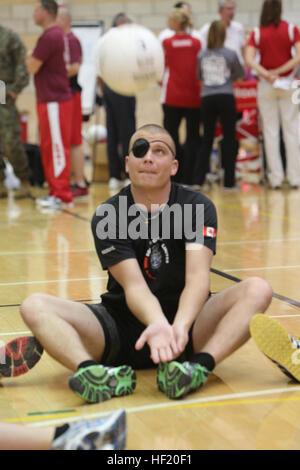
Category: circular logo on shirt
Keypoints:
(156, 256)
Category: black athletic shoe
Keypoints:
(98, 383)
(177, 380)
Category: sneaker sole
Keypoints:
(94, 384)
(173, 380)
(19, 356)
(111, 437)
(273, 340)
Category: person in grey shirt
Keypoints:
(218, 68)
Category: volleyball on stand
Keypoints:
(131, 59)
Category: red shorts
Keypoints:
(76, 136)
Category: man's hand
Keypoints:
(161, 341)
(181, 334)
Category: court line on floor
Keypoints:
(271, 215)
(283, 298)
(5, 284)
(221, 400)
(13, 333)
(92, 250)
(45, 252)
(254, 242)
(72, 300)
(262, 268)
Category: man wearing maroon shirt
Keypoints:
(54, 104)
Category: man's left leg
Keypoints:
(221, 328)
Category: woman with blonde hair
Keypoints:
(181, 91)
(274, 40)
(218, 67)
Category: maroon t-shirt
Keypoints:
(74, 55)
(51, 81)
(75, 49)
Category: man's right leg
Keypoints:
(67, 330)
(72, 335)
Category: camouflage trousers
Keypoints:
(11, 145)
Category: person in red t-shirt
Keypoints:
(274, 40)
(181, 91)
(54, 104)
(73, 60)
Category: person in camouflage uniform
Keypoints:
(14, 75)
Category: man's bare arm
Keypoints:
(195, 292)
(143, 304)
(33, 65)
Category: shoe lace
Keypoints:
(199, 373)
(295, 341)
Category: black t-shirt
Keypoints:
(161, 257)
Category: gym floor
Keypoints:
(247, 403)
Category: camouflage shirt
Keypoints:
(13, 70)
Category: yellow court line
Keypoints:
(63, 417)
(234, 402)
(33, 419)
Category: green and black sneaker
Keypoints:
(177, 380)
(97, 383)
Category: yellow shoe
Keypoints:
(3, 190)
(279, 346)
(23, 191)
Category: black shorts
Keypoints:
(120, 340)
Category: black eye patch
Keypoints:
(140, 148)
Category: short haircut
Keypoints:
(181, 4)
(153, 129)
(221, 3)
(50, 6)
(121, 18)
(65, 12)
(216, 35)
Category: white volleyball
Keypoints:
(130, 58)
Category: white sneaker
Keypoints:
(11, 180)
(51, 202)
(107, 433)
(114, 184)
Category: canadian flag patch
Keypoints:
(209, 232)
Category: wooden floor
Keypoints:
(246, 404)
